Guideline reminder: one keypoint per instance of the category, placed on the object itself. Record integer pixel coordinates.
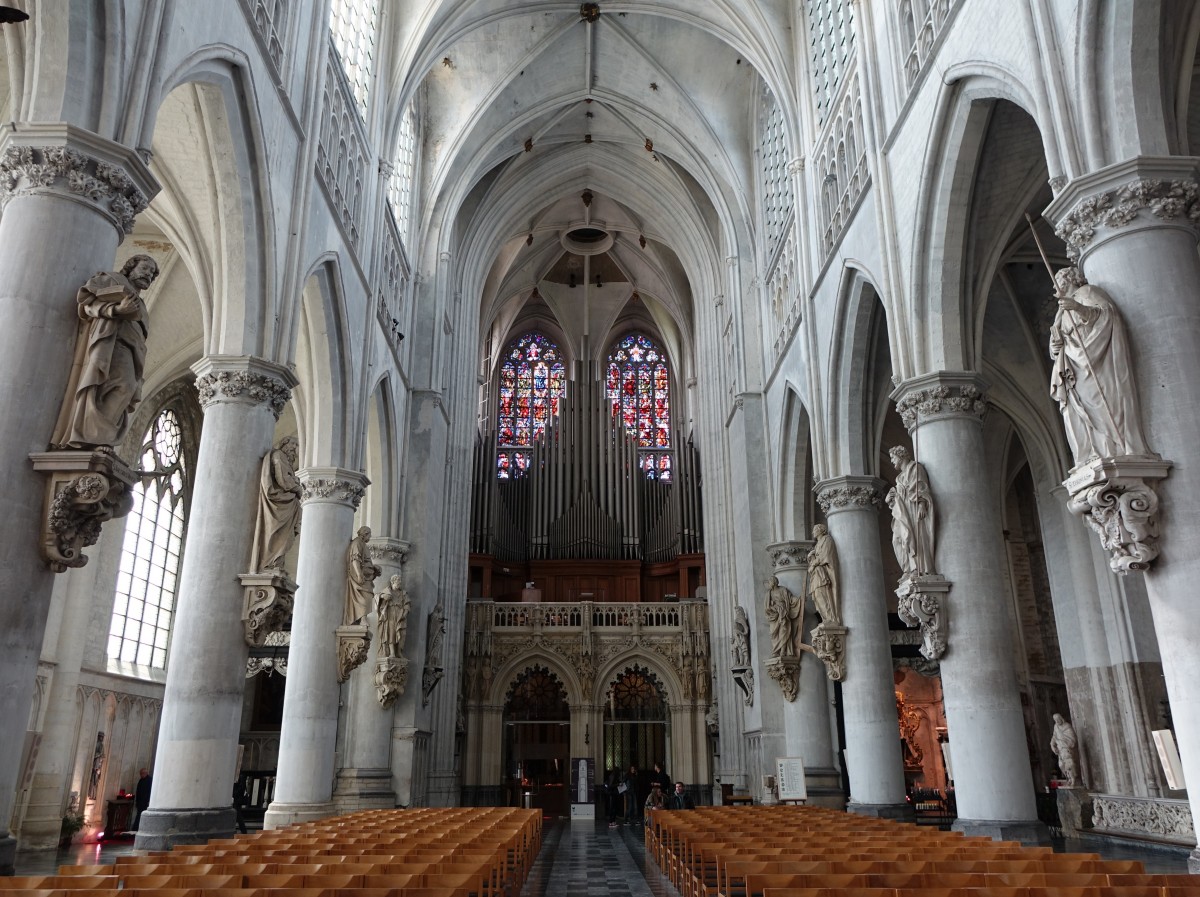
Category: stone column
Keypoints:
(365, 779)
(807, 730)
(307, 739)
(192, 799)
(69, 198)
(1132, 227)
(873, 760)
(992, 778)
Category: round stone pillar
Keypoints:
(873, 759)
(1132, 228)
(808, 732)
(307, 738)
(365, 779)
(69, 198)
(195, 762)
(993, 782)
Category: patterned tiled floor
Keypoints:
(585, 859)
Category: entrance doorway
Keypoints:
(635, 725)
(537, 742)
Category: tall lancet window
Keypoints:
(638, 385)
(532, 380)
(144, 604)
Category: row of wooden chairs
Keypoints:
(814, 852)
(453, 852)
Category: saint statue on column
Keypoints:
(784, 618)
(911, 502)
(105, 384)
(279, 492)
(360, 577)
(391, 610)
(823, 577)
(1092, 375)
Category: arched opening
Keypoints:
(636, 731)
(537, 741)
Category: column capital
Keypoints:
(386, 550)
(940, 395)
(790, 555)
(62, 160)
(243, 379)
(1145, 191)
(850, 493)
(332, 485)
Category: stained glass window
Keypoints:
(144, 604)
(638, 386)
(532, 381)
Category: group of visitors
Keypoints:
(621, 795)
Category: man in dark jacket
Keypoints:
(141, 796)
(680, 800)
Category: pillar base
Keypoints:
(898, 812)
(164, 829)
(364, 789)
(1194, 862)
(8, 855)
(824, 787)
(1030, 833)
(280, 814)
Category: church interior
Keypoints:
(439, 404)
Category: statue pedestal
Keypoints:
(744, 678)
(84, 488)
(391, 676)
(829, 644)
(1116, 498)
(785, 670)
(353, 644)
(923, 603)
(267, 605)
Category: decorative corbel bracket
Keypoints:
(266, 605)
(353, 646)
(84, 488)
(744, 678)
(923, 603)
(786, 672)
(391, 676)
(429, 680)
(829, 644)
(1116, 498)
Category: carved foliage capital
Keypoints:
(849, 494)
(26, 169)
(388, 551)
(353, 646)
(331, 484)
(244, 386)
(391, 678)
(934, 398)
(791, 555)
(1161, 199)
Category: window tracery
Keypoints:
(532, 381)
(144, 603)
(831, 43)
(775, 188)
(403, 179)
(637, 383)
(352, 24)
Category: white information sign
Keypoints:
(1168, 754)
(789, 778)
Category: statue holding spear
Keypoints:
(1092, 373)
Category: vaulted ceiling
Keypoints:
(633, 119)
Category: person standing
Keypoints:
(141, 796)
(633, 809)
(660, 777)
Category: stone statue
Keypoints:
(360, 578)
(1065, 745)
(279, 492)
(823, 577)
(1092, 375)
(391, 607)
(740, 640)
(912, 514)
(436, 634)
(97, 766)
(784, 614)
(105, 383)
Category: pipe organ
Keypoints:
(582, 494)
